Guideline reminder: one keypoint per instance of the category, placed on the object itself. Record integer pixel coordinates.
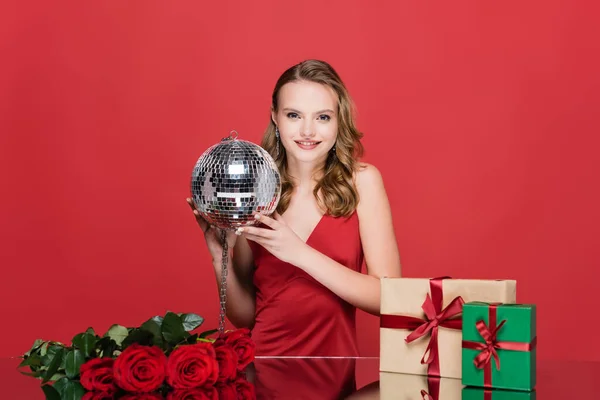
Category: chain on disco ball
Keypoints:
(231, 182)
(223, 289)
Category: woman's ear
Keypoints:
(273, 115)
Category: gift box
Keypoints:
(420, 324)
(418, 387)
(499, 345)
(472, 393)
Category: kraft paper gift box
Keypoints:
(394, 386)
(473, 393)
(420, 324)
(499, 346)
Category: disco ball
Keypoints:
(232, 181)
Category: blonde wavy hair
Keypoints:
(335, 191)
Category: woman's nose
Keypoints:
(307, 129)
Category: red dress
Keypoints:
(303, 378)
(295, 314)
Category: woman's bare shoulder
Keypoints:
(367, 177)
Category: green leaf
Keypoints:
(106, 346)
(139, 336)
(117, 333)
(54, 364)
(191, 321)
(52, 350)
(57, 376)
(91, 331)
(158, 319)
(154, 328)
(33, 360)
(208, 333)
(75, 360)
(192, 339)
(44, 349)
(39, 374)
(36, 345)
(35, 374)
(85, 342)
(60, 384)
(172, 329)
(51, 393)
(72, 390)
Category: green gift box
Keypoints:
(499, 345)
(471, 393)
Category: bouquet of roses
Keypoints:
(160, 359)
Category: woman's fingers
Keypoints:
(258, 239)
(270, 222)
(191, 203)
(201, 221)
(254, 231)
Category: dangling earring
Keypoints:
(333, 150)
(277, 146)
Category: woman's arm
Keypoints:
(378, 240)
(240, 266)
(379, 245)
(241, 302)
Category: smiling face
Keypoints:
(307, 118)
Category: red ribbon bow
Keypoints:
(488, 349)
(434, 318)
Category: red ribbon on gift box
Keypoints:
(488, 349)
(435, 317)
(433, 386)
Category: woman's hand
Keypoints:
(280, 240)
(212, 235)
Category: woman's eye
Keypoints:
(292, 115)
(324, 117)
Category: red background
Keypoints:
(482, 118)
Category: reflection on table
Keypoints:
(357, 379)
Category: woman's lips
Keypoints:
(306, 144)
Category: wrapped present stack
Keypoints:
(463, 329)
(421, 326)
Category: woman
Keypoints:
(297, 278)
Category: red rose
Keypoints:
(208, 393)
(140, 369)
(97, 375)
(243, 345)
(245, 389)
(192, 366)
(228, 361)
(227, 391)
(98, 396)
(142, 396)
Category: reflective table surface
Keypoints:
(358, 378)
